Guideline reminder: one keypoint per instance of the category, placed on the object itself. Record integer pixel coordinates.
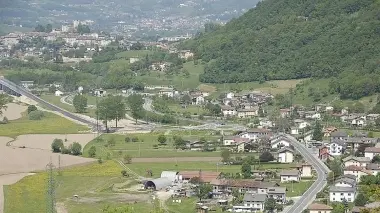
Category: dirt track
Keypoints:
(178, 159)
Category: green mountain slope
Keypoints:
(285, 39)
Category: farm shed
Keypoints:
(172, 176)
(158, 183)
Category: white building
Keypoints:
(58, 93)
(338, 194)
(371, 152)
(356, 171)
(252, 203)
(285, 155)
(290, 175)
(356, 161)
(336, 147)
(230, 95)
(279, 141)
(256, 133)
(301, 123)
(228, 111)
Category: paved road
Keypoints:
(321, 169)
(28, 94)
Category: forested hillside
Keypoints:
(286, 39)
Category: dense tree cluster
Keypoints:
(297, 39)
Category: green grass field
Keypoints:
(91, 183)
(50, 124)
(158, 167)
(56, 100)
(145, 146)
(198, 110)
(297, 189)
(133, 54)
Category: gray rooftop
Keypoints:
(373, 166)
(346, 180)
(342, 189)
(358, 159)
(255, 197)
(276, 190)
(283, 149)
(339, 134)
(290, 173)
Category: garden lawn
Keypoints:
(192, 109)
(297, 189)
(187, 205)
(94, 180)
(50, 124)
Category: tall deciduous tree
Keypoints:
(318, 132)
(80, 103)
(226, 155)
(4, 99)
(203, 191)
(270, 205)
(135, 103)
(246, 170)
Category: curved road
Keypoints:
(322, 171)
(28, 94)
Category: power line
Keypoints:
(50, 194)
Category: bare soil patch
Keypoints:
(13, 111)
(43, 141)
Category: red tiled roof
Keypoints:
(319, 206)
(353, 168)
(206, 176)
(251, 183)
(372, 149)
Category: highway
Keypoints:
(322, 172)
(28, 94)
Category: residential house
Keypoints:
(251, 203)
(194, 145)
(290, 175)
(284, 113)
(327, 131)
(294, 130)
(58, 93)
(357, 171)
(345, 181)
(361, 162)
(256, 133)
(265, 123)
(374, 168)
(337, 147)
(371, 118)
(313, 115)
(338, 135)
(230, 95)
(371, 152)
(100, 93)
(319, 208)
(277, 193)
(228, 111)
(27, 84)
(279, 141)
(300, 123)
(242, 185)
(305, 170)
(369, 207)
(354, 142)
(198, 100)
(338, 194)
(166, 92)
(286, 155)
(359, 121)
(232, 140)
(247, 113)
